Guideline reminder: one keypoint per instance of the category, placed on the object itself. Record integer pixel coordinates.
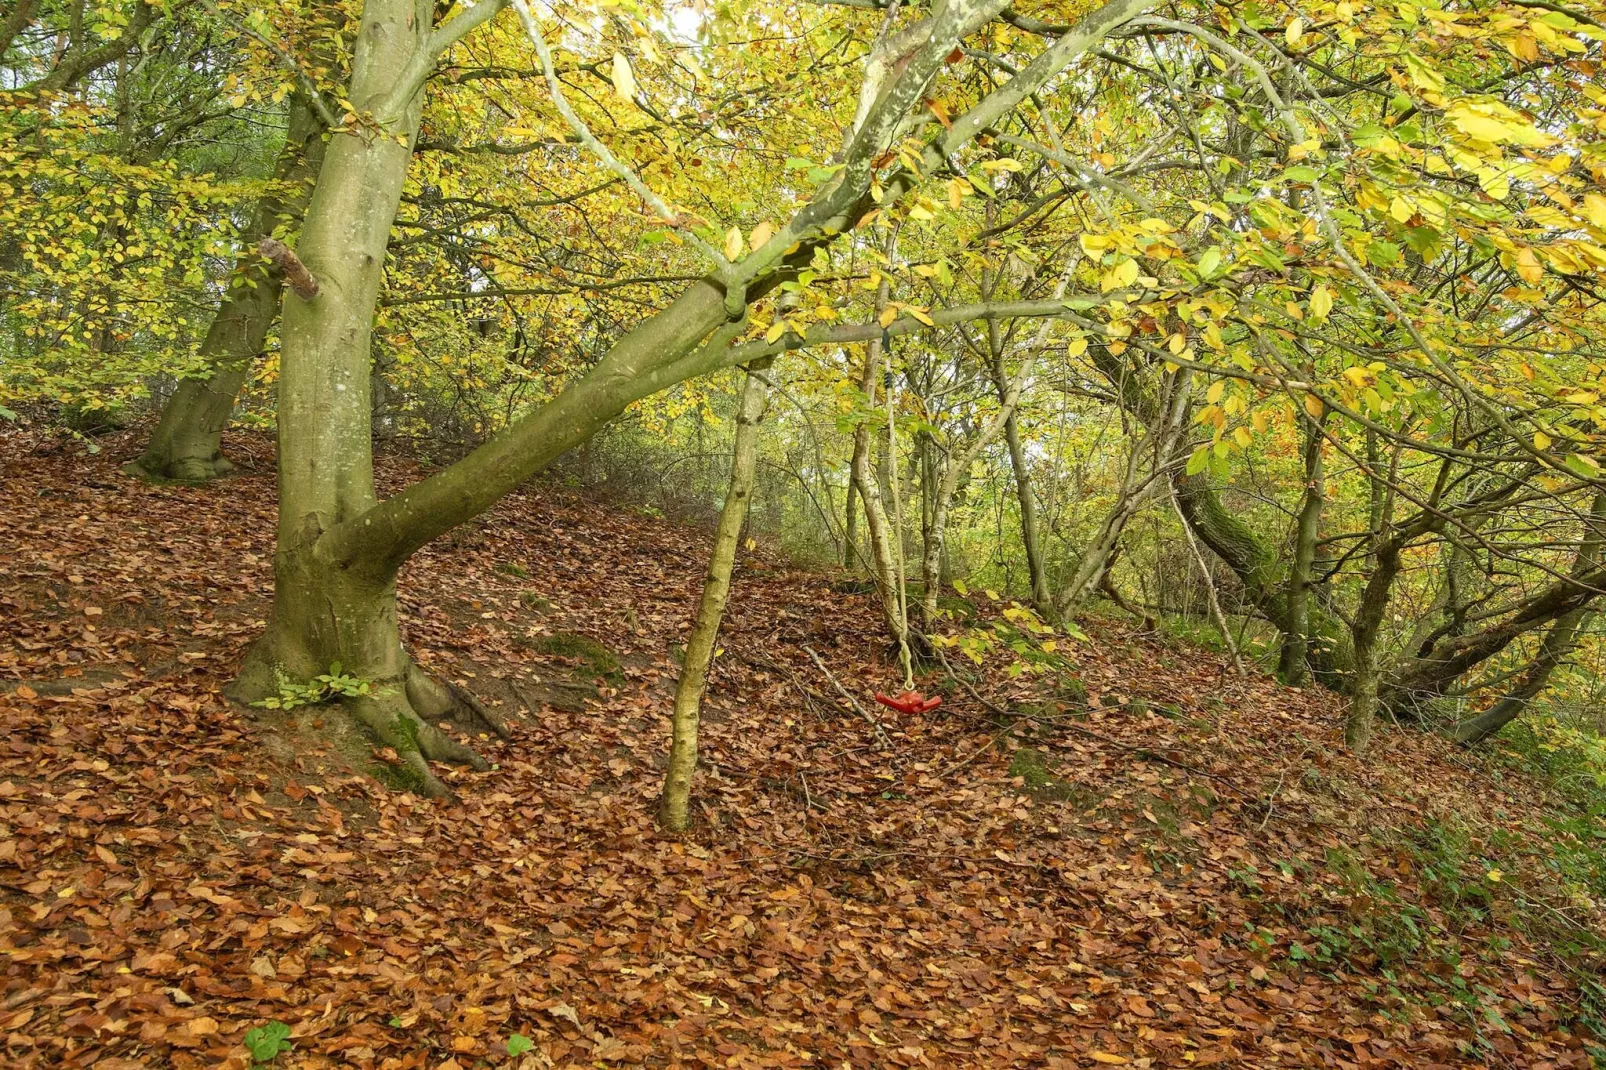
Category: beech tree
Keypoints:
(339, 547)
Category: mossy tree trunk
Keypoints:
(674, 807)
(187, 441)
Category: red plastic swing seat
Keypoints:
(909, 702)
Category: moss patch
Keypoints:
(1033, 767)
(592, 655)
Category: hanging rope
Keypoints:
(891, 383)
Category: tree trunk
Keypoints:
(1293, 665)
(187, 442)
(850, 526)
(673, 810)
(877, 527)
(1030, 530)
(325, 610)
(1361, 712)
(1166, 431)
(882, 560)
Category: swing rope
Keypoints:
(891, 383)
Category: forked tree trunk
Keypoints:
(674, 808)
(1361, 711)
(883, 564)
(878, 528)
(1165, 417)
(187, 442)
(324, 609)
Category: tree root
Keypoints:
(159, 470)
(400, 714)
(391, 718)
(435, 699)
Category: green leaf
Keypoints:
(518, 1044)
(265, 1042)
(1584, 466)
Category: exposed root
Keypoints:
(469, 701)
(393, 721)
(435, 699)
(156, 469)
(399, 714)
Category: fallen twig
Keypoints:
(881, 733)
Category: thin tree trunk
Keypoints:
(187, 442)
(674, 808)
(1216, 614)
(884, 564)
(1361, 712)
(1165, 431)
(1293, 665)
(1030, 530)
(850, 525)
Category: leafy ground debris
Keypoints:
(1222, 886)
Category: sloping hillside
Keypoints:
(1154, 863)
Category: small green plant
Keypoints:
(518, 1044)
(513, 568)
(326, 687)
(267, 1042)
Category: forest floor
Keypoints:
(1178, 868)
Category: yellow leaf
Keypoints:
(1106, 1057)
(1077, 347)
(956, 193)
(1595, 208)
(1494, 876)
(1321, 302)
(1177, 344)
(888, 314)
(1260, 420)
(1123, 274)
(624, 80)
(1295, 30)
(1313, 405)
(1528, 267)
(1217, 388)
(1241, 435)
(761, 234)
(919, 314)
(733, 244)
(777, 329)
(1541, 440)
